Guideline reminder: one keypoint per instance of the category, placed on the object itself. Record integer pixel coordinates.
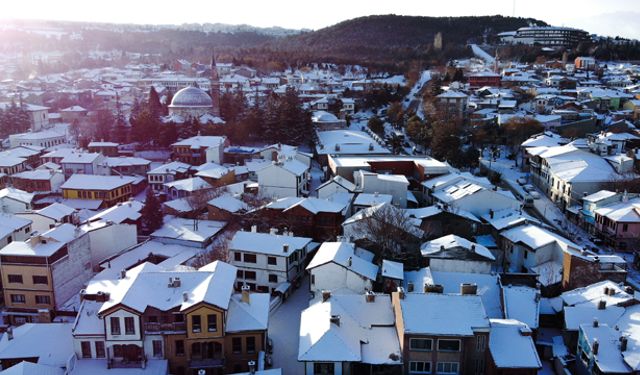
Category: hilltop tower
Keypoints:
(215, 86)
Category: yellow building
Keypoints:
(110, 190)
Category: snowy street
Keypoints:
(284, 328)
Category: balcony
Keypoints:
(165, 327)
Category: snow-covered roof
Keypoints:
(201, 141)
(599, 195)
(228, 203)
(189, 184)
(81, 157)
(56, 211)
(609, 359)
(96, 182)
(392, 270)
(121, 212)
(45, 244)
(574, 316)
(28, 368)
(440, 246)
(51, 343)
(343, 254)
(266, 243)
(251, 316)
(535, 237)
(372, 199)
(188, 229)
(443, 314)
(347, 142)
(522, 303)
(16, 194)
(512, 346)
(594, 293)
(171, 168)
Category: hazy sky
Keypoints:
(606, 17)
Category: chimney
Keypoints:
(326, 294)
(602, 304)
(596, 346)
(10, 333)
(410, 287)
(285, 248)
(254, 229)
(185, 296)
(473, 247)
(612, 292)
(349, 262)
(468, 289)
(252, 367)
(123, 274)
(430, 288)
(370, 297)
(490, 213)
(335, 319)
(595, 323)
(273, 231)
(400, 292)
(623, 343)
(245, 294)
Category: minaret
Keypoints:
(215, 87)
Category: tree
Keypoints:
(168, 134)
(153, 103)
(103, 121)
(445, 142)
(120, 129)
(376, 125)
(418, 131)
(395, 114)
(518, 130)
(151, 214)
(144, 127)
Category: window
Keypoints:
(236, 345)
(416, 367)
(323, 368)
(249, 258)
(85, 346)
(272, 261)
(212, 323)
(129, 327)
(157, 348)
(625, 227)
(447, 368)
(17, 279)
(237, 256)
(251, 344)
(479, 363)
(448, 345)
(180, 347)
(249, 275)
(525, 254)
(43, 300)
(195, 349)
(481, 343)
(40, 280)
(100, 353)
(18, 298)
(421, 344)
(115, 325)
(273, 278)
(196, 323)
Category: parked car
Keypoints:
(522, 180)
(534, 194)
(529, 187)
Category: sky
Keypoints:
(604, 17)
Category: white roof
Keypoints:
(266, 243)
(52, 343)
(599, 195)
(56, 211)
(574, 316)
(45, 244)
(16, 194)
(252, 316)
(183, 229)
(96, 182)
(535, 237)
(347, 142)
(201, 141)
(211, 284)
(87, 321)
(629, 325)
(509, 347)
(125, 161)
(81, 157)
(171, 168)
(28, 368)
(454, 242)
(522, 303)
(392, 270)
(372, 199)
(443, 314)
(120, 213)
(592, 294)
(344, 254)
(189, 184)
(488, 286)
(609, 358)
(228, 203)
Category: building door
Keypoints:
(132, 353)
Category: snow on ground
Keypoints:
(413, 97)
(479, 52)
(547, 369)
(284, 330)
(316, 176)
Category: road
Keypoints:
(284, 330)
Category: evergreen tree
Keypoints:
(153, 104)
(103, 121)
(169, 134)
(150, 215)
(144, 126)
(120, 129)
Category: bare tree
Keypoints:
(219, 250)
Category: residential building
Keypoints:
(109, 190)
(109, 149)
(49, 217)
(456, 254)
(268, 262)
(200, 149)
(43, 347)
(39, 180)
(83, 163)
(169, 172)
(511, 349)
(188, 232)
(13, 228)
(284, 178)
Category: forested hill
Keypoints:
(372, 37)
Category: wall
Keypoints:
(332, 276)
(39, 223)
(110, 240)
(117, 339)
(457, 265)
(71, 273)
(274, 181)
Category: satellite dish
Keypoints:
(202, 372)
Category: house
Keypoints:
(600, 350)
(49, 217)
(186, 187)
(200, 149)
(109, 190)
(225, 207)
(347, 142)
(192, 319)
(284, 178)
(317, 218)
(453, 103)
(127, 165)
(39, 180)
(482, 79)
(349, 334)
(15, 200)
(39, 346)
(107, 238)
(441, 333)
(169, 172)
(41, 273)
(342, 266)
(44, 138)
(618, 224)
(109, 149)
(83, 163)
(456, 254)
(268, 262)
(511, 349)
(337, 184)
(13, 228)
(395, 185)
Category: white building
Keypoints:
(395, 185)
(456, 254)
(342, 266)
(284, 178)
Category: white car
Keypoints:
(534, 194)
(522, 180)
(529, 188)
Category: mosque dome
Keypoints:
(191, 97)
